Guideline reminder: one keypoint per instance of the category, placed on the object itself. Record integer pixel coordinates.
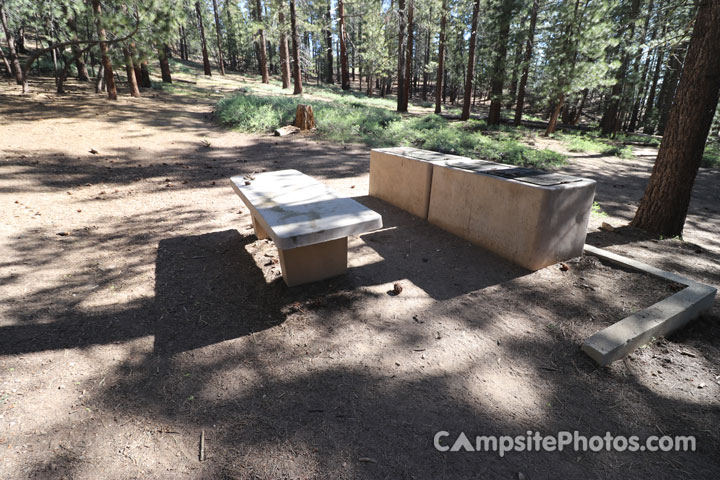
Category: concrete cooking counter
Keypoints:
(530, 217)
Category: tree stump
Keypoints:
(304, 117)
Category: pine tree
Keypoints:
(664, 205)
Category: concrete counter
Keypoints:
(530, 217)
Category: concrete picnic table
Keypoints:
(308, 222)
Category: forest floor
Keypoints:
(138, 312)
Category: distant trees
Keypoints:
(620, 60)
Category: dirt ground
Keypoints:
(138, 312)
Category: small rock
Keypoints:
(702, 385)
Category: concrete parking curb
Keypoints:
(622, 338)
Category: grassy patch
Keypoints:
(635, 138)
(597, 211)
(344, 117)
(580, 143)
(711, 156)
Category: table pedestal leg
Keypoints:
(314, 262)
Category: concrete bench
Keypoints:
(308, 222)
(530, 217)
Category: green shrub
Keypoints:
(711, 156)
(348, 118)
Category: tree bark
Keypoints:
(145, 75)
(498, 77)
(552, 123)
(100, 80)
(164, 64)
(427, 60)
(648, 128)
(304, 117)
(576, 118)
(664, 205)
(203, 42)
(261, 45)
(441, 60)
(107, 65)
(669, 86)
(284, 54)
(295, 50)
(21, 40)
(526, 63)
(8, 68)
(471, 63)
(632, 126)
(401, 54)
(328, 46)
(79, 62)
(12, 52)
(130, 70)
(403, 105)
(517, 62)
(342, 36)
(184, 43)
(221, 60)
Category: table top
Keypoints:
(296, 210)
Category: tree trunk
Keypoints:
(632, 126)
(203, 42)
(360, 71)
(401, 54)
(669, 86)
(184, 43)
(498, 77)
(284, 54)
(304, 117)
(635, 115)
(8, 68)
(471, 63)
(107, 66)
(221, 60)
(100, 80)
(552, 123)
(403, 106)
(145, 75)
(648, 127)
(21, 40)
(14, 62)
(578, 112)
(425, 62)
(66, 69)
(517, 61)
(79, 62)
(441, 60)
(610, 119)
(261, 45)
(295, 50)
(164, 64)
(664, 205)
(526, 63)
(130, 70)
(328, 46)
(342, 37)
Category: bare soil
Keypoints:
(138, 310)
